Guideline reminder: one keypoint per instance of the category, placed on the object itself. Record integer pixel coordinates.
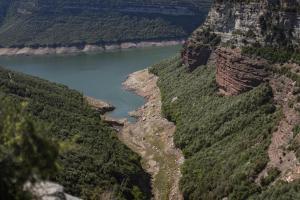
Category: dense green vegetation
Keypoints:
(274, 55)
(91, 160)
(100, 29)
(26, 152)
(280, 191)
(65, 23)
(272, 175)
(224, 139)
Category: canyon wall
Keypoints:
(237, 24)
(237, 73)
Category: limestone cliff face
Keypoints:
(267, 22)
(236, 24)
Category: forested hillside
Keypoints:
(224, 139)
(91, 161)
(66, 23)
(234, 96)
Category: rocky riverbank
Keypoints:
(152, 138)
(103, 107)
(99, 105)
(85, 49)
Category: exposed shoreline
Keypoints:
(152, 138)
(103, 108)
(86, 49)
(99, 105)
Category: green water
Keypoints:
(97, 75)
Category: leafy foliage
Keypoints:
(272, 175)
(280, 191)
(92, 161)
(274, 55)
(25, 153)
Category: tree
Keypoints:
(26, 155)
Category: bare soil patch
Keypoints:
(280, 156)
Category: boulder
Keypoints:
(48, 191)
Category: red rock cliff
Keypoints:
(237, 73)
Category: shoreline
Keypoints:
(26, 51)
(151, 136)
(103, 108)
(97, 104)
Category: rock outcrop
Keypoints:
(197, 50)
(115, 123)
(237, 24)
(194, 57)
(265, 22)
(49, 191)
(237, 73)
(99, 105)
(242, 23)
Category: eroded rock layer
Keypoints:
(237, 73)
(230, 23)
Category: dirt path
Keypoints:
(152, 138)
(280, 157)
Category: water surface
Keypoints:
(98, 75)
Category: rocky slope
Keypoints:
(152, 137)
(237, 95)
(240, 24)
(245, 45)
(266, 22)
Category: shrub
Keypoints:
(224, 139)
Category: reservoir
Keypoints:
(97, 75)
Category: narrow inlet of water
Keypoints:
(97, 75)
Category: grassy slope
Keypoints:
(92, 160)
(52, 25)
(224, 139)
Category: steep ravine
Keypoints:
(151, 136)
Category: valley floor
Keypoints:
(152, 137)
